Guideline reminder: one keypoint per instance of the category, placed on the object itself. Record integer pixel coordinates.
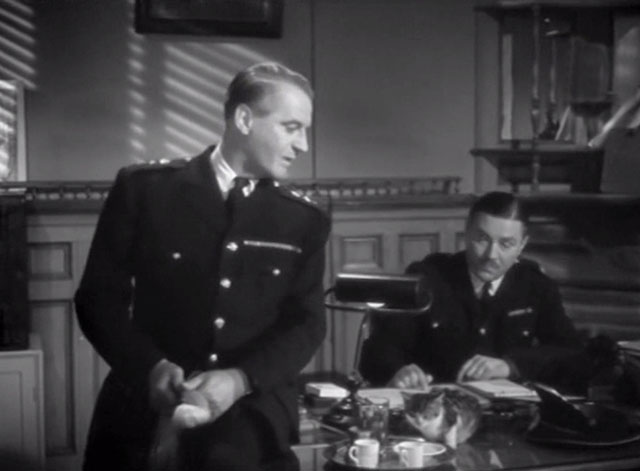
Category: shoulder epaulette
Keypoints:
(297, 196)
(530, 264)
(160, 164)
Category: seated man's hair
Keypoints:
(254, 82)
(499, 204)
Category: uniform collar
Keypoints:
(225, 174)
(478, 284)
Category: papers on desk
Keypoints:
(396, 401)
(501, 388)
(394, 395)
(630, 346)
(326, 390)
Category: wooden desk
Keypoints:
(500, 445)
(313, 445)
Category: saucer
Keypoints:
(428, 448)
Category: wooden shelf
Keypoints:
(580, 167)
(497, 5)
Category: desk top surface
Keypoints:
(500, 444)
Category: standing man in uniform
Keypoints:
(206, 275)
(493, 315)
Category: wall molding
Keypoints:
(88, 196)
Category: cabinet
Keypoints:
(549, 76)
(21, 403)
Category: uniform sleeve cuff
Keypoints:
(514, 372)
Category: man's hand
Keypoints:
(483, 367)
(165, 385)
(411, 377)
(220, 388)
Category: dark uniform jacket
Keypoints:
(523, 323)
(168, 275)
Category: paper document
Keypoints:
(328, 390)
(396, 401)
(630, 345)
(394, 395)
(499, 388)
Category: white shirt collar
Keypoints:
(225, 174)
(477, 284)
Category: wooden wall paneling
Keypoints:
(414, 247)
(50, 261)
(53, 322)
(58, 247)
(360, 253)
(382, 241)
(356, 253)
(362, 240)
(21, 432)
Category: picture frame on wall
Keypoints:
(260, 18)
(13, 161)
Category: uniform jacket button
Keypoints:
(232, 246)
(219, 322)
(176, 255)
(275, 271)
(482, 331)
(213, 358)
(225, 283)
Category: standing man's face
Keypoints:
(278, 131)
(493, 245)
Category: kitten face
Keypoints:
(446, 416)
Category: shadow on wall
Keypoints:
(14, 461)
(17, 57)
(100, 96)
(186, 99)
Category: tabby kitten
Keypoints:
(443, 415)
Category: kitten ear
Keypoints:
(439, 398)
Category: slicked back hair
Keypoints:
(250, 85)
(499, 204)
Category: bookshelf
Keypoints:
(545, 87)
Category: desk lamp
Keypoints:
(374, 294)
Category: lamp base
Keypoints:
(345, 413)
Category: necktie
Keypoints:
(485, 322)
(485, 300)
(236, 194)
(485, 294)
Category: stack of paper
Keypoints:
(631, 352)
(500, 388)
(326, 390)
(630, 346)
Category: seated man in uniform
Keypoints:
(493, 315)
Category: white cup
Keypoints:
(411, 454)
(365, 452)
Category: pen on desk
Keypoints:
(332, 429)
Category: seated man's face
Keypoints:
(493, 245)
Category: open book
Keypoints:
(500, 388)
